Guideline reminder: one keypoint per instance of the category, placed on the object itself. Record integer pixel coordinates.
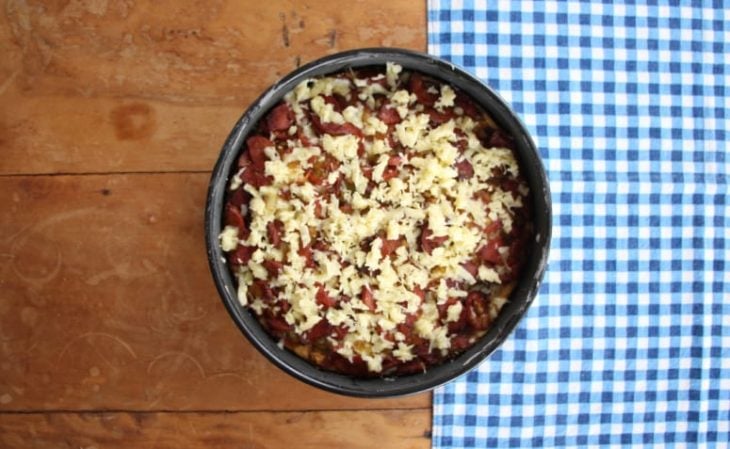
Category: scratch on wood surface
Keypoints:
(177, 354)
(85, 335)
(236, 376)
(332, 38)
(123, 272)
(46, 275)
(52, 220)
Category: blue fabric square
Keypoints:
(628, 341)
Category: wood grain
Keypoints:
(98, 86)
(111, 332)
(403, 429)
(106, 302)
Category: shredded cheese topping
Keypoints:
(373, 211)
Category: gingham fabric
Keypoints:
(628, 341)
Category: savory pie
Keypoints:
(377, 221)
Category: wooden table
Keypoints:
(112, 114)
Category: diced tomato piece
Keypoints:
(412, 367)
(321, 169)
(335, 129)
(388, 115)
(303, 137)
(471, 267)
(389, 246)
(477, 312)
(306, 252)
(244, 160)
(340, 331)
(464, 169)
(367, 298)
(347, 128)
(490, 251)
(338, 102)
(393, 141)
(419, 87)
(238, 198)
(274, 231)
(319, 210)
(420, 292)
(428, 242)
(411, 318)
(466, 105)
(437, 117)
(280, 118)
(320, 330)
(389, 363)
(255, 178)
(390, 173)
(232, 217)
(459, 342)
(278, 324)
(459, 324)
(510, 185)
(484, 195)
(462, 142)
(444, 307)
(262, 290)
(273, 267)
(423, 351)
(283, 306)
(315, 176)
(324, 299)
(493, 227)
(241, 255)
(320, 245)
(256, 145)
(515, 260)
(499, 139)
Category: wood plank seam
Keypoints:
(202, 411)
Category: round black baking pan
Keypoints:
(522, 296)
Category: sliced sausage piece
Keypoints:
(490, 251)
(256, 145)
(241, 255)
(274, 230)
(280, 118)
(388, 115)
(335, 129)
(419, 86)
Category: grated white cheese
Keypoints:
(229, 238)
(392, 71)
(403, 352)
(427, 191)
(326, 111)
(447, 97)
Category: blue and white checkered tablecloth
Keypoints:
(628, 342)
